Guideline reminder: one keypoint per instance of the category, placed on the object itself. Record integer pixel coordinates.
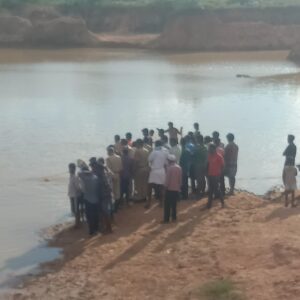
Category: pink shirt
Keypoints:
(173, 178)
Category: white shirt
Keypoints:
(73, 188)
(158, 160)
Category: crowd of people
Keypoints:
(168, 167)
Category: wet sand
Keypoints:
(252, 241)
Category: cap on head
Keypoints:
(82, 165)
(171, 158)
(72, 167)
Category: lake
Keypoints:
(60, 105)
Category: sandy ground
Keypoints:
(253, 242)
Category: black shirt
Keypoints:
(290, 152)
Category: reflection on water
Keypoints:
(57, 106)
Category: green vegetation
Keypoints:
(219, 290)
(171, 4)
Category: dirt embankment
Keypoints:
(253, 242)
(201, 30)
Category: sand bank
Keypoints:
(253, 242)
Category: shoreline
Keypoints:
(72, 242)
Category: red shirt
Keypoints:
(215, 164)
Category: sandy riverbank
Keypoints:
(253, 242)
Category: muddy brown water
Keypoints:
(60, 105)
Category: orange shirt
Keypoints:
(215, 164)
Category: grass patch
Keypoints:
(219, 290)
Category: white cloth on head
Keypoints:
(158, 161)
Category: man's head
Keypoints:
(124, 143)
(151, 132)
(110, 151)
(72, 168)
(212, 148)
(173, 142)
(101, 161)
(93, 163)
(161, 133)
(145, 132)
(196, 126)
(117, 138)
(93, 160)
(230, 137)
(207, 140)
(139, 143)
(170, 124)
(291, 138)
(217, 142)
(128, 136)
(158, 143)
(171, 159)
(82, 165)
(215, 135)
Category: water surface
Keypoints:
(60, 105)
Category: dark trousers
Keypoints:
(185, 186)
(222, 184)
(125, 188)
(73, 205)
(193, 178)
(214, 190)
(92, 216)
(170, 205)
(231, 183)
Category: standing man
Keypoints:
(197, 131)
(118, 146)
(74, 193)
(231, 158)
(215, 169)
(126, 176)
(173, 132)
(90, 187)
(129, 138)
(200, 158)
(114, 164)
(173, 186)
(291, 150)
(157, 177)
(141, 171)
(175, 149)
(215, 137)
(185, 164)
